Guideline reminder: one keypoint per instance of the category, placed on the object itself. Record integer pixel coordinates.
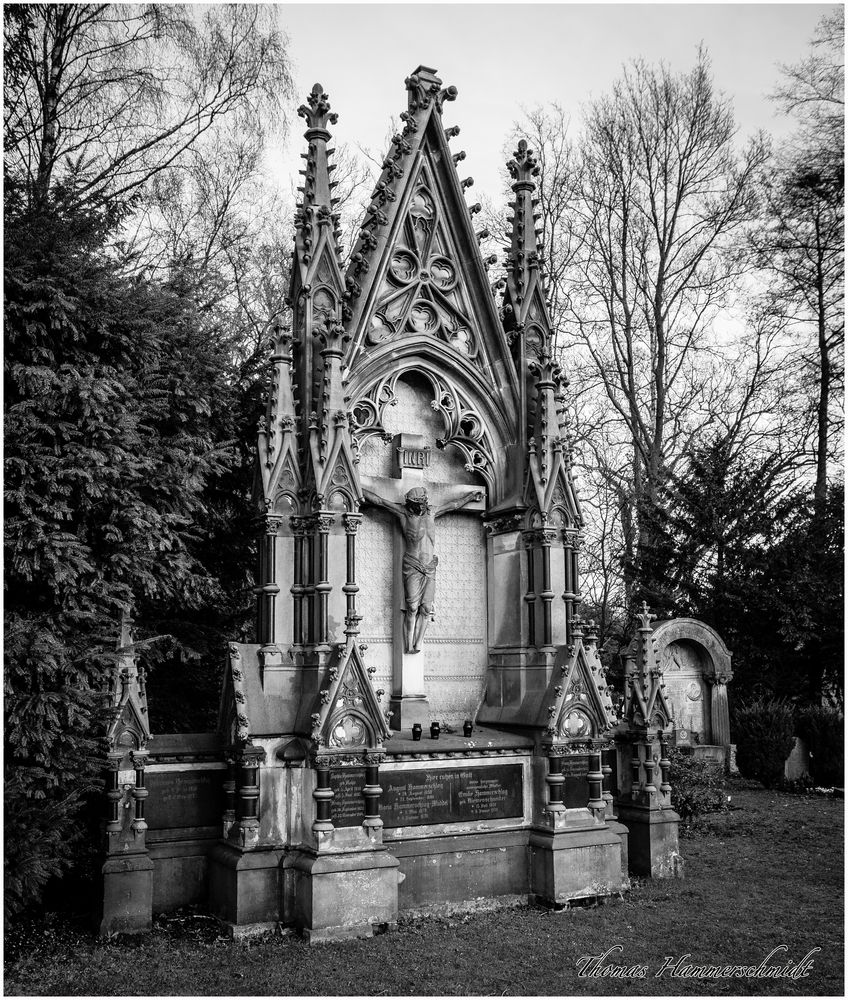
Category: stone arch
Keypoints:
(480, 433)
(717, 656)
(703, 661)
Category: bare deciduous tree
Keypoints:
(111, 95)
(801, 240)
(663, 193)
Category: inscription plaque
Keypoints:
(184, 798)
(419, 798)
(575, 793)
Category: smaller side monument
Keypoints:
(675, 692)
(644, 788)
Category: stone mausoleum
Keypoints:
(424, 719)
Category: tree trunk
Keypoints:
(820, 495)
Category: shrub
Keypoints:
(822, 727)
(765, 734)
(697, 786)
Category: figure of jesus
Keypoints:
(418, 524)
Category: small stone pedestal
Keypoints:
(644, 806)
(127, 902)
(244, 888)
(343, 887)
(127, 895)
(579, 860)
(653, 847)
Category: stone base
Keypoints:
(409, 709)
(578, 864)
(653, 847)
(334, 896)
(244, 886)
(460, 870)
(127, 895)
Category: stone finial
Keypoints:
(425, 88)
(317, 110)
(523, 167)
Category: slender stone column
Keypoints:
(310, 562)
(569, 595)
(719, 713)
(351, 589)
(323, 796)
(113, 792)
(139, 794)
(530, 596)
(555, 781)
(268, 587)
(577, 544)
(606, 771)
(250, 758)
(372, 792)
(298, 589)
(635, 771)
(650, 766)
(323, 586)
(546, 537)
(665, 766)
(595, 777)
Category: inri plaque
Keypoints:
(422, 797)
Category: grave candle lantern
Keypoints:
(416, 731)
(435, 730)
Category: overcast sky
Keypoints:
(503, 57)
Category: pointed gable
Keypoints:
(348, 715)
(645, 702)
(417, 273)
(579, 707)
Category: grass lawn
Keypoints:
(769, 873)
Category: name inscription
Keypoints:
(184, 798)
(444, 795)
(575, 791)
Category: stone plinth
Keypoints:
(653, 847)
(127, 895)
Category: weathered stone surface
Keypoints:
(127, 895)
(653, 847)
(333, 896)
(575, 865)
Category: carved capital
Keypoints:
(250, 755)
(501, 525)
(351, 523)
(273, 523)
(298, 525)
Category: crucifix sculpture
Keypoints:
(418, 527)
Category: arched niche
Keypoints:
(697, 669)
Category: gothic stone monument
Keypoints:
(420, 538)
